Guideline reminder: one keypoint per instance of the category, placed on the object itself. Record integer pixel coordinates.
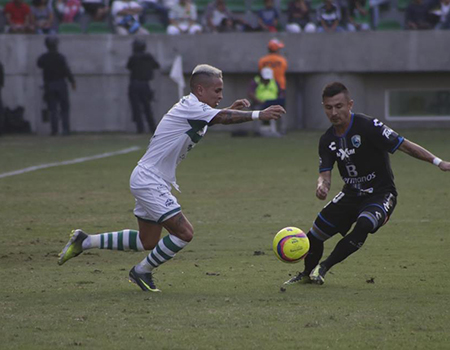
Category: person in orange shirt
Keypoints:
(275, 61)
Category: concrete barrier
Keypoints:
(370, 63)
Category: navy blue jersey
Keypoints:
(362, 155)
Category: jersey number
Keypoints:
(338, 197)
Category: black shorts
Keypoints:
(341, 213)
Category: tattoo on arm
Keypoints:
(416, 151)
(232, 116)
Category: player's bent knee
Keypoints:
(368, 222)
(187, 234)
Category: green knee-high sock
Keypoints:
(119, 240)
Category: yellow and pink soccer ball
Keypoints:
(290, 245)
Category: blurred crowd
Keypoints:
(176, 17)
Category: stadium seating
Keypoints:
(3, 3)
(237, 6)
(389, 24)
(69, 28)
(402, 4)
(99, 28)
(201, 5)
(154, 27)
(257, 5)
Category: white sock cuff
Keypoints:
(179, 242)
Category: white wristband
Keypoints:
(437, 161)
(255, 115)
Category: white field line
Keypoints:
(67, 162)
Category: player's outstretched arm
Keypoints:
(232, 116)
(416, 151)
(323, 185)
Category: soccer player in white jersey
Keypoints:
(179, 130)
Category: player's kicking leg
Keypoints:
(311, 260)
(120, 240)
(300, 278)
(74, 247)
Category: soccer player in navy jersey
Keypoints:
(360, 145)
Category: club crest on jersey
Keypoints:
(356, 141)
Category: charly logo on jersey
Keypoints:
(356, 141)
(377, 123)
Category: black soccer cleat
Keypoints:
(300, 278)
(317, 275)
(143, 280)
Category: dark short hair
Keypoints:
(138, 45)
(333, 89)
(51, 42)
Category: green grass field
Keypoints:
(223, 290)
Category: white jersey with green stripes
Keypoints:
(177, 133)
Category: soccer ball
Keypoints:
(290, 245)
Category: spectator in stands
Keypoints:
(441, 11)
(42, 17)
(417, 16)
(299, 17)
(183, 19)
(359, 15)
(276, 62)
(125, 14)
(218, 17)
(17, 14)
(68, 11)
(268, 17)
(329, 17)
(97, 10)
(155, 6)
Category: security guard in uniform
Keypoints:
(141, 65)
(55, 72)
(2, 83)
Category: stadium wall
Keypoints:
(369, 63)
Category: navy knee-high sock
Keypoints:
(315, 253)
(350, 243)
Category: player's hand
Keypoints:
(322, 192)
(444, 166)
(323, 185)
(272, 112)
(74, 86)
(240, 104)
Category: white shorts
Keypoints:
(154, 200)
